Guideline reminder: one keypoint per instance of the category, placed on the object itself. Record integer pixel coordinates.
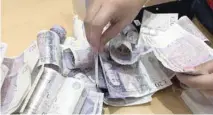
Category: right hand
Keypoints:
(118, 13)
(203, 82)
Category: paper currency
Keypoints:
(190, 27)
(49, 48)
(22, 88)
(68, 97)
(35, 77)
(78, 58)
(99, 110)
(131, 34)
(3, 49)
(122, 52)
(31, 55)
(89, 84)
(45, 92)
(126, 81)
(78, 28)
(158, 74)
(197, 102)
(60, 31)
(128, 101)
(4, 72)
(101, 80)
(92, 103)
(186, 51)
(154, 25)
(10, 83)
(81, 101)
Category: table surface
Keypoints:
(23, 19)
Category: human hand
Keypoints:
(203, 82)
(118, 13)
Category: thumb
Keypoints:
(111, 32)
(206, 67)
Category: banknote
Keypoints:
(130, 101)
(92, 102)
(60, 31)
(81, 101)
(190, 27)
(159, 75)
(89, 84)
(3, 49)
(101, 80)
(45, 92)
(151, 28)
(131, 34)
(78, 58)
(186, 51)
(35, 77)
(197, 102)
(78, 28)
(22, 88)
(126, 81)
(68, 96)
(9, 86)
(49, 48)
(122, 52)
(4, 72)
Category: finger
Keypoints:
(206, 67)
(95, 27)
(93, 9)
(208, 92)
(111, 32)
(199, 82)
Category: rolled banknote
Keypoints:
(35, 77)
(45, 92)
(78, 58)
(131, 34)
(122, 52)
(49, 48)
(126, 81)
(68, 96)
(60, 31)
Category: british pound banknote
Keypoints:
(68, 97)
(126, 81)
(60, 31)
(45, 92)
(49, 48)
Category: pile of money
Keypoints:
(50, 77)
(57, 74)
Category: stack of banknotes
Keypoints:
(57, 74)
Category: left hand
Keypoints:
(203, 82)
